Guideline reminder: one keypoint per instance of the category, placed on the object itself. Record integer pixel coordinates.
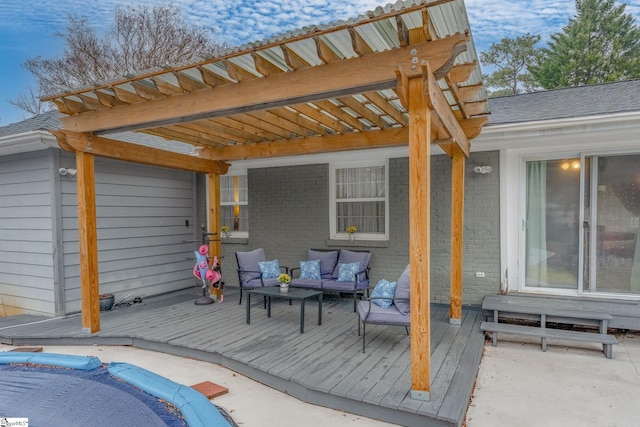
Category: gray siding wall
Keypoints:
(145, 246)
(26, 234)
(289, 213)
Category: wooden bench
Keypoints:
(545, 314)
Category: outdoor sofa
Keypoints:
(339, 270)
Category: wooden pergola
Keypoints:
(394, 77)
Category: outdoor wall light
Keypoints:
(483, 169)
(570, 164)
(67, 171)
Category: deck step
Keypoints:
(535, 331)
(522, 308)
(503, 307)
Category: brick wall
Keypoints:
(289, 213)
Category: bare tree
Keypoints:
(30, 103)
(141, 38)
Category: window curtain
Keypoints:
(629, 196)
(358, 194)
(536, 225)
(368, 217)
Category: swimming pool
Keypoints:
(59, 389)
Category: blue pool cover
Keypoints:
(57, 389)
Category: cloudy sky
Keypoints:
(28, 27)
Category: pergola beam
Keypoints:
(311, 145)
(114, 149)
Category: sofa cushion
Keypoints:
(310, 270)
(253, 283)
(348, 272)
(307, 284)
(371, 313)
(348, 257)
(327, 260)
(403, 292)
(269, 269)
(383, 293)
(334, 285)
(248, 261)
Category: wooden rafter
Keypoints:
(126, 97)
(461, 72)
(325, 53)
(386, 107)
(166, 88)
(264, 67)
(294, 115)
(188, 83)
(146, 90)
(236, 72)
(321, 119)
(339, 116)
(360, 46)
(212, 79)
(363, 111)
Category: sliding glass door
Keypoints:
(587, 244)
(614, 224)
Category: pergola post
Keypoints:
(88, 239)
(419, 236)
(214, 220)
(457, 224)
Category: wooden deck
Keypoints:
(323, 366)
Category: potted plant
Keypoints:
(284, 280)
(351, 230)
(106, 302)
(224, 231)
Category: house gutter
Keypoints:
(521, 135)
(26, 142)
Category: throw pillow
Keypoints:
(269, 269)
(310, 270)
(348, 257)
(403, 292)
(347, 272)
(386, 290)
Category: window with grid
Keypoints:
(234, 204)
(359, 194)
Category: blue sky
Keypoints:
(28, 27)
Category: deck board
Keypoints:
(325, 365)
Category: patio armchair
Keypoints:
(255, 271)
(386, 305)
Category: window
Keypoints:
(234, 204)
(359, 195)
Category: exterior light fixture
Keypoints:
(483, 169)
(67, 171)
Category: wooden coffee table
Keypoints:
(293, 294)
